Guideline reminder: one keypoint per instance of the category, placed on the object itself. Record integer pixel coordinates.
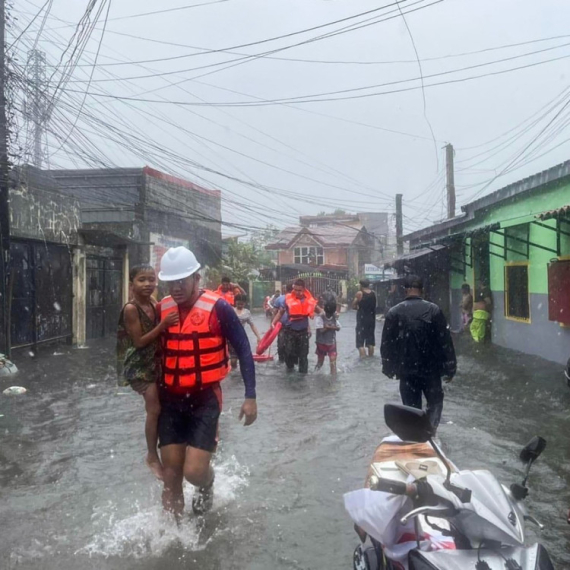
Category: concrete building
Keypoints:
(517, 241)
(154, 209)
(75, 233)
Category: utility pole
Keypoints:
(36, 111)
(4, 197)
(450, 176)
(399, 225)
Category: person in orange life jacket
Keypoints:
(228, 290)
(195, 362)
(299, 306)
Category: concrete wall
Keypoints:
(540, 337)
(43, 215)
(101, 187)
(183, 210)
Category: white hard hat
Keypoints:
(177, 263)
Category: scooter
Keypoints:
(419, 512)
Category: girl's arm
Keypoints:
(134, 328)
(254, 329)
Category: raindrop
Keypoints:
(31, 353)
(57, 307)
(540, 305)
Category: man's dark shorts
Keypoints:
(190, 420)
(365, 334)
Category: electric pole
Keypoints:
(4, 197)
(399, 225)
(450, 176)
(36, 108)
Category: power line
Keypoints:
(306, 99)
(167, 10)
(522, 151)
(422, 84)
(208, 51)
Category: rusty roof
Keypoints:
(327, 235)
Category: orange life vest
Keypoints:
(229, 296)
(300, 308)
(194, 356)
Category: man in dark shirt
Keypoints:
(365, 304)
(417, 349)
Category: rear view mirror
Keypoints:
(533, 449)
(409, 424)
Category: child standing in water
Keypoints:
(327, 325)
(138, 352)
(244, 316)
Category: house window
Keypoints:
(516, 292)
(309, 255)
(559, 291)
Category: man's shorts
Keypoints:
(190, 420)
(326, 350)
(365, 334)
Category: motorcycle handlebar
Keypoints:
(394, 487)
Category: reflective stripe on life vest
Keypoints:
(193, 355)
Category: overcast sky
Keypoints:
(354, 154)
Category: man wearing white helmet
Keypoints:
(195, 361)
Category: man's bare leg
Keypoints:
(362, 352)
(152, 406)
(199, 472)
(197, 468)
(333, 366)
(320, 361)
(370, 350)
(173, 474)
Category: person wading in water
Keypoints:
(417, 349)
(365, 305)
(195, 362)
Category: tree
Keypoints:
(337, 212)
(242, 260)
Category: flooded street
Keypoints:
(75, 492)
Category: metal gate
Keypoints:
(41, 291)
(104, 295)
(318, 284)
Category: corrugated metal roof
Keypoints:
(417, 253)
(554, 213)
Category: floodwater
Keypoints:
(74, 491)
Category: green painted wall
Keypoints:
(521, 209)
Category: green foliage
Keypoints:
(337, 212)
(352, 286)
(242, 260)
